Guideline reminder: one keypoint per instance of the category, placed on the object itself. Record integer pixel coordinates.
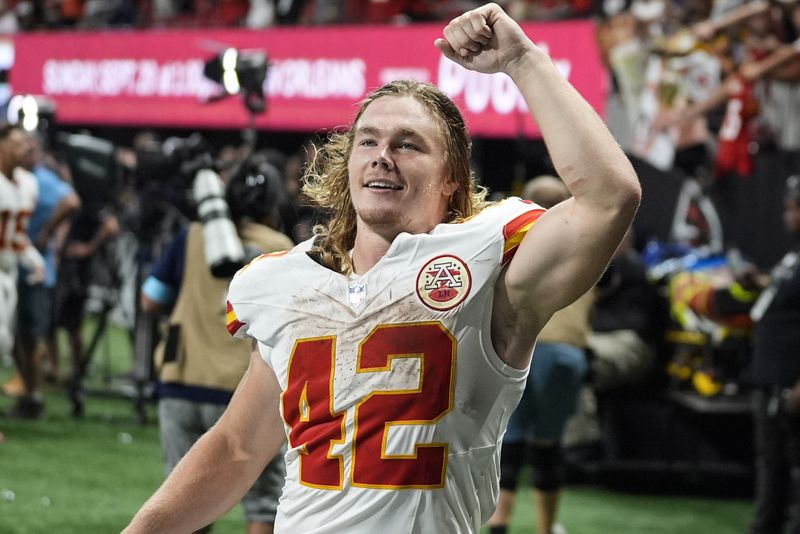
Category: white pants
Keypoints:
(8, 310)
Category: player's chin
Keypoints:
(380, 215)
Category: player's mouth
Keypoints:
(378, 185)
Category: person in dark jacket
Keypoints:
(776, 377)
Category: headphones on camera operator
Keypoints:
(253, 193)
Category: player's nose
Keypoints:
(383, 158)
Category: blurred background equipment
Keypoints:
(240, 72)
(93, 166)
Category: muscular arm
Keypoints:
(224, 463)
(570, 246)
(567, 251)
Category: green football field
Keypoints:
(90, 475)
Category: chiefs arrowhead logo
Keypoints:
(443, 283)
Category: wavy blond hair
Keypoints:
(326, 180)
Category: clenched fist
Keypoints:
(486, 40)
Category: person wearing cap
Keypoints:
(198, 364)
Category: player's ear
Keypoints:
(450, 186)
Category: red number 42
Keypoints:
(316, 427)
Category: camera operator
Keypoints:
(92, 229)
(199, 364)
(776, 376)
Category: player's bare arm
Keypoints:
(570, 246)
(224, 463)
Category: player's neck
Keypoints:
(369, 248)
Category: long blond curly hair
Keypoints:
(326, 179)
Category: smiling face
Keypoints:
(397, 173)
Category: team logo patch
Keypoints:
(443, 283)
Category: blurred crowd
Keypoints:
(28, 15)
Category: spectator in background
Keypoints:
(625, 322)
(64, 13)
(94, 226)
(164, 11)
(199, 364)
(776, 377)
(555, 378)
(230, 12)
(18, 192)
(625, 325)
(261, 14)
(547, 9)
(736, 135)
(106, 13)
(781, 100)
(397, 12)
(57, 202)
(305, 215)
(9, 24)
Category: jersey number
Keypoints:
(732, 123)
(316, 427)
(12, 230)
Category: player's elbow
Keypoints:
(630, 195)
(624, 195)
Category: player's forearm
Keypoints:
(68, 205)
(584, 153)
(205, 484)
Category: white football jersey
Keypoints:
(394, 401)
(17, 201)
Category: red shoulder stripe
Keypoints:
(523, 220)
(233, 322)
(514, 231)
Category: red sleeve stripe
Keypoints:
(234, 324)
(516, 230)
(522, 220)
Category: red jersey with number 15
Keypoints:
(393, 398)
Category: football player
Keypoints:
(393, 346)
(18, 194)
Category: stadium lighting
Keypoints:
(31, 112)
(240, 72)
(230, 79)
